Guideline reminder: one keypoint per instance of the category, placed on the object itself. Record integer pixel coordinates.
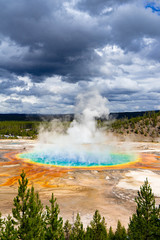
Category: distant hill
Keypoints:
(129, 115)
(141, 127)
(35, 117)
(67, 117)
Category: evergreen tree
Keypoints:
(9, 232)
(97, 231)
(35, 217)
(27, 212)
(20, 204)
(111, 235)
(78, 232)
(54, 223)
(144, 224)
(67, 230)
(120, 233)
(89, 234)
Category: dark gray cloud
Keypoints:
(58, 41)
(100, 7)
(8, 82)
(131, 24)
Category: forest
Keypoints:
(15, 129)
(31, 220)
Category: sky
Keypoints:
(52, 51)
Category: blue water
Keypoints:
(76, 159)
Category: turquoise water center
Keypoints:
(78, 158)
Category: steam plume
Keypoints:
(83, 129)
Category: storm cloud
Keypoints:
(52, 50)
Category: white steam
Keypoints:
(83, 129)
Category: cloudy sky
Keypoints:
(52, 50)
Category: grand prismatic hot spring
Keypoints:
(82, 158)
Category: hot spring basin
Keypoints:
(78, 159)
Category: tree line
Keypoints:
(31, 221)
(30, 129)
(12, 129)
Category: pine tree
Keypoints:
(111, 234)
(27, 212)
(89, 234)
(77, 231)
(144, 224)
(67, 229)
(54, 223)
(35, 217)
(9, 232)
(20, 204)
(97, 231)
(120, 233)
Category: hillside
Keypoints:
(146, 127)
